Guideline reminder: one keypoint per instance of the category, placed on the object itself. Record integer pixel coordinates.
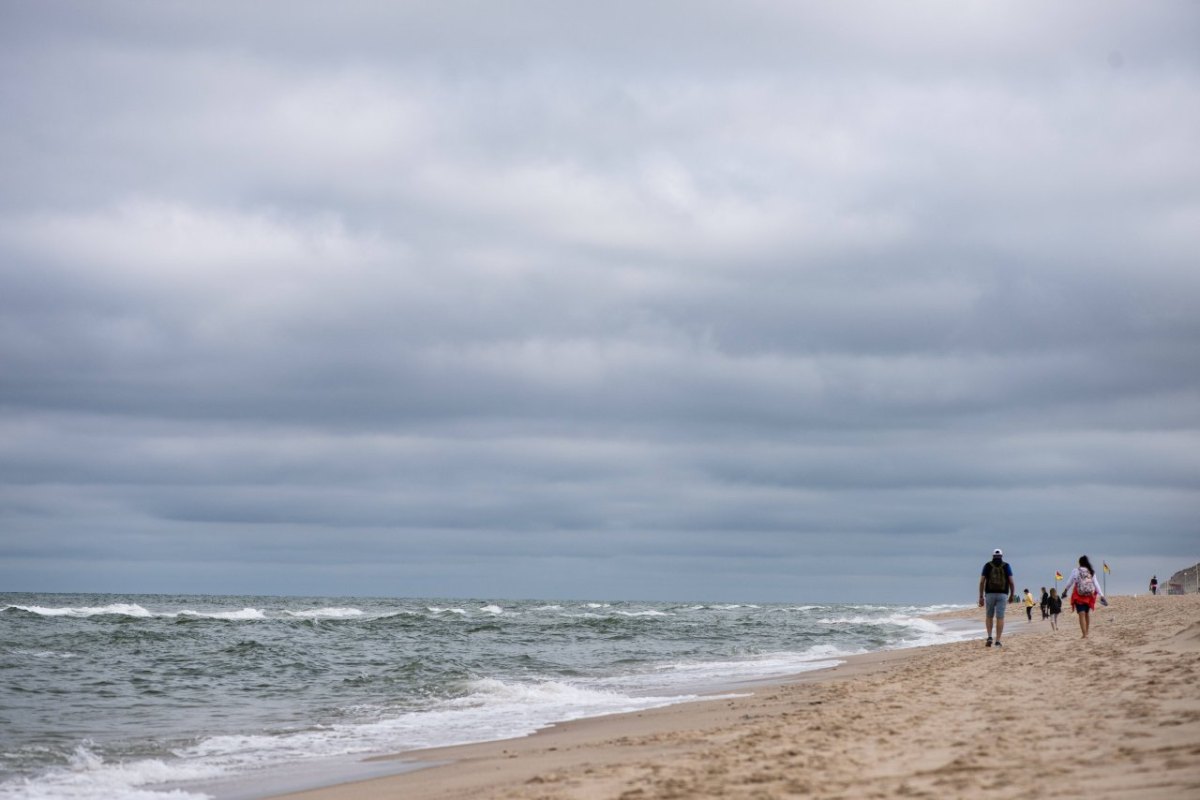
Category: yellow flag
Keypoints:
(1057, 575)
(1106, 569)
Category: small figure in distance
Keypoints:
(996, 590)
(1054, 605)
(1154, 585)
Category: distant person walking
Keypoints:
(1084, 591)
(1028, 604)
(996, 591)
(1045, 604)
(1154, 585)
(1054, 605)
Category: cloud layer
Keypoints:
(775, 302)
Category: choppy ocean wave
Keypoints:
(148, 697)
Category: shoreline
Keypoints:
(898, 722)
(353, 771)
(717, 708)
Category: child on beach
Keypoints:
(1028, 605)
(1084, 592)
(1054, 607)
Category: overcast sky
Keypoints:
(748, 301)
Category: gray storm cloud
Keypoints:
(776, 302)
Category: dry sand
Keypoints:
(1050, 715)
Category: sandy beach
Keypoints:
(1114, 716)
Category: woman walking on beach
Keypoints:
(1084, 592)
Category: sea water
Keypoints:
(145, 697)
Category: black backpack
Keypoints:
(997, 578)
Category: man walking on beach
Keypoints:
(996, 591)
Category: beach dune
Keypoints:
(1051, 715)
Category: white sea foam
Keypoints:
(134, 610)
(123, 609)
(940, 608)
(684, 678)
(649, 613)
(898, 620)
(492, 609)
(497, 709)
(767, 665)
(915, 631)
(55, 654)
(87, 776)
(327, 613)
(823, 651)
(244, 614)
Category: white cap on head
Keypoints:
(998, 552)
